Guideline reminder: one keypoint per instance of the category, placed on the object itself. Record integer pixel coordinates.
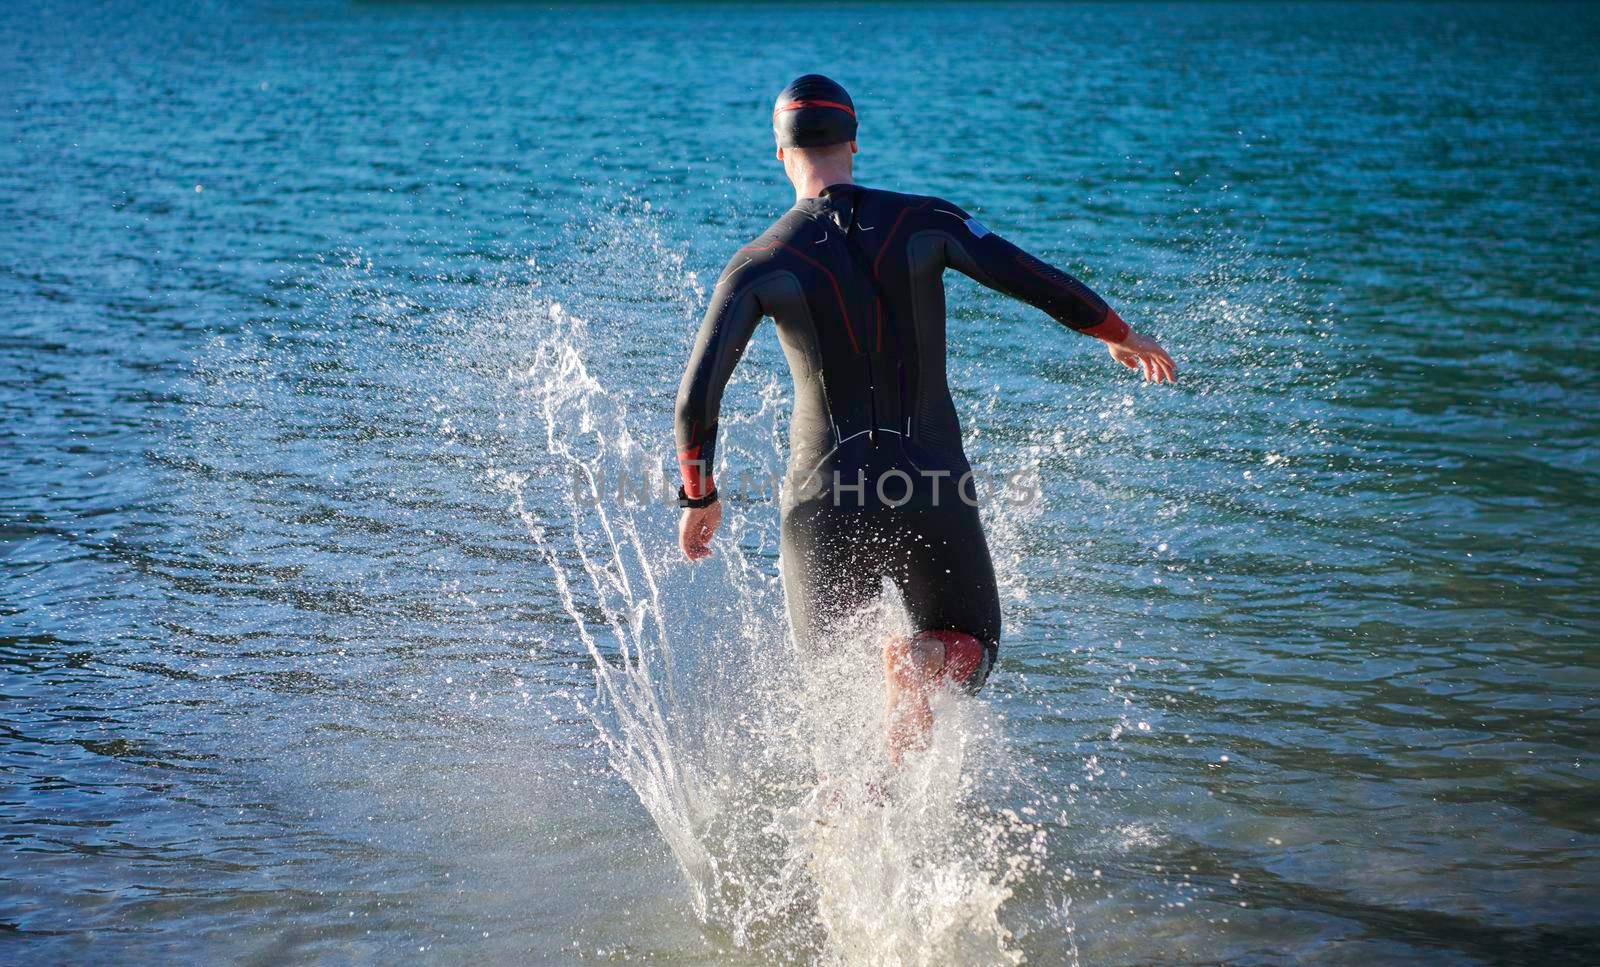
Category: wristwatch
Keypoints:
(705, 500)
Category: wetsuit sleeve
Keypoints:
(972, 249)
(729, 323)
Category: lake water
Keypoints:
(317, 647)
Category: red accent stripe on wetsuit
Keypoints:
(889, 237)
(883, 249)
(837, 292)
(797, 105)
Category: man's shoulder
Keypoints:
(902, 198)
(932, 206)
(773, 241)
(765, 252)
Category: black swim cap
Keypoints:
(813, 111)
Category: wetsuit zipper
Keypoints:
(882, 306)
(854, 247)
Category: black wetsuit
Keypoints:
(878, 483)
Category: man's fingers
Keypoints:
(692, 546)
(1158, 368)
(1153, 363)
(697, 545)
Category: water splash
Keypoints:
(510, 412)
(759, 769)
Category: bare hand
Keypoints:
(1146, 355)
(696, 528)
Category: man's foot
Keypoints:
(828, 799)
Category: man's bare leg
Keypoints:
(916, 666)
(912, 666)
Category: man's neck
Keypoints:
(816, 179)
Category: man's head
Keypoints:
(813, 112)
(814, 123)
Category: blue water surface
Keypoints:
(1304, 648)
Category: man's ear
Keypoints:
(853, 148)
(780, 152)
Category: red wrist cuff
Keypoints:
(696, 475)
(1111, 328)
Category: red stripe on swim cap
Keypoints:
(797, 105)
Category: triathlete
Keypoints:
(878, 485)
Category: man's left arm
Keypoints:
(972, 249)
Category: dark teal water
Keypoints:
(1301, 662)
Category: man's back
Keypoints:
(854, 279)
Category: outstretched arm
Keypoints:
(972, 249)
(729, 322)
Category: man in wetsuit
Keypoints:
(878, 485)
